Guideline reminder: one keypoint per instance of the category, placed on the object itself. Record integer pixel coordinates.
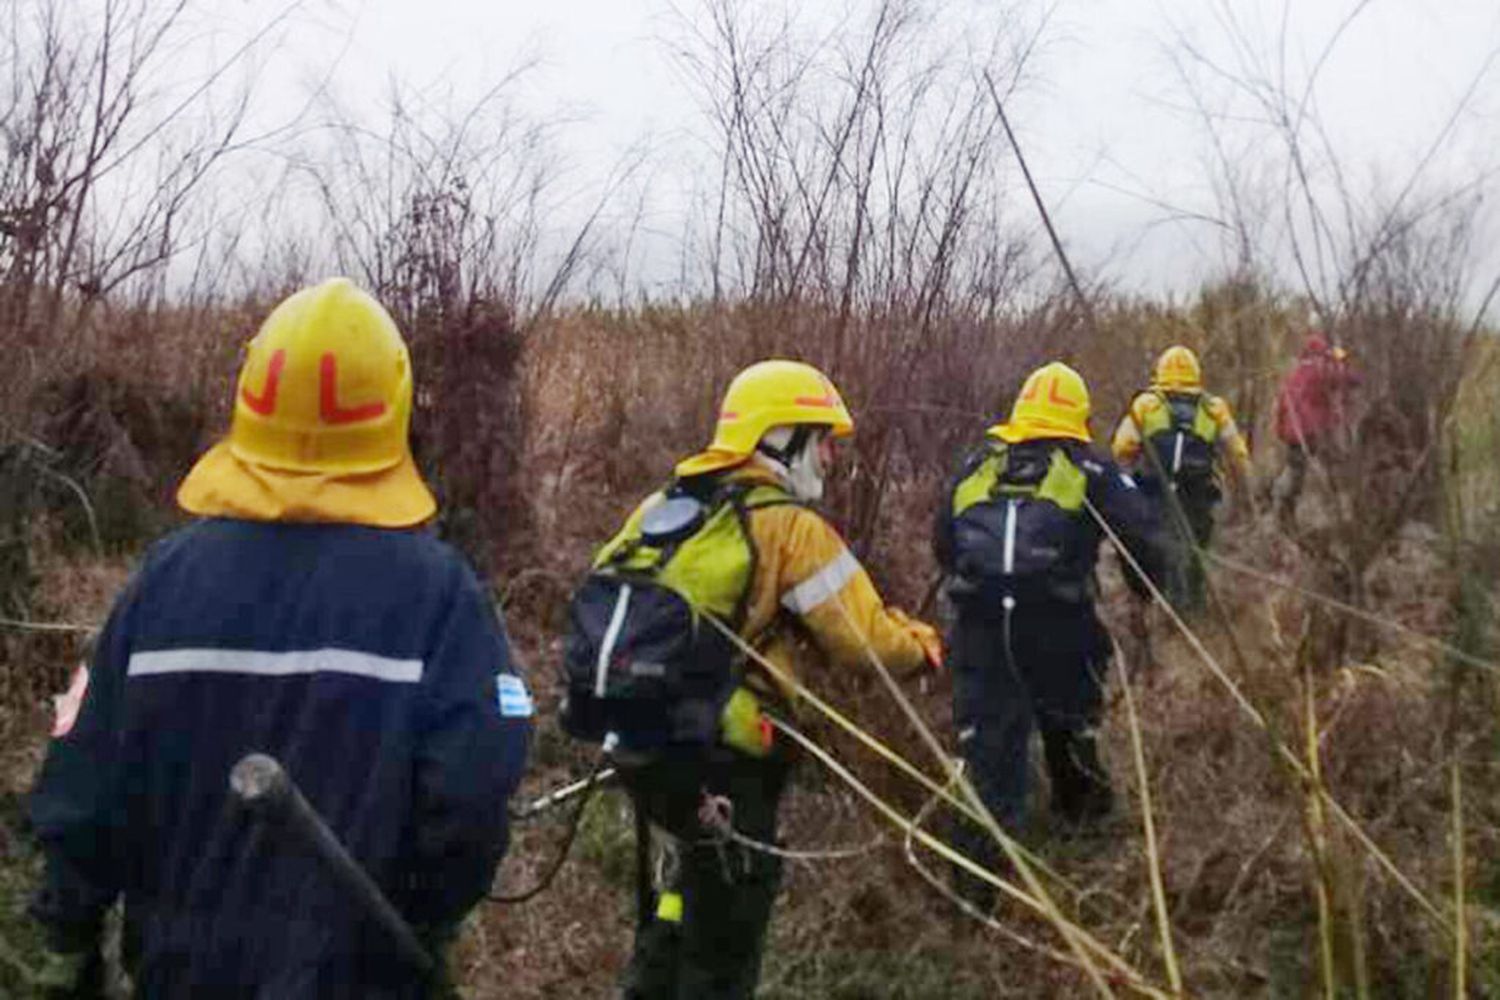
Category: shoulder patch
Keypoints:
(515, 700)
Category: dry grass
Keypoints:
(611, 411)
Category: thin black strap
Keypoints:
(736, 499)
(644, 895)
(1000, 453)
(742, 509)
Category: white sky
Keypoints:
(1097, 117)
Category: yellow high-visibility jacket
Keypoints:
(1129, 437)
(806, 572)
(809, 600)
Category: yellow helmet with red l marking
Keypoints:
(321, 411)
(1177, 369)
(1053, 403)
(769, 394)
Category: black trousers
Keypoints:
(1198, 498)
(1039, 665)
(1186, 585)
(705, 934)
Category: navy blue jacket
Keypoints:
(372, 665)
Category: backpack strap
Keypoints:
(1023, 479)
(737, 496)
(734, 494)
(978, 477)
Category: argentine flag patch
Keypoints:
(515, 700)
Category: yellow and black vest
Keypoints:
(1183, 434)
(1017, 520)
(642, 659)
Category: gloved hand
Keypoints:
(743, 726)
(77, 975)
(925, 635)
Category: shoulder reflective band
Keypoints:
(258, 663)
(822, 585)
(611, 636)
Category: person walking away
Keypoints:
(1018, 539)
(305, 616)
(1194, 447)
(1311, 409)
(732, 545)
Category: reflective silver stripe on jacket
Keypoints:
(822, 585)
(260, 663)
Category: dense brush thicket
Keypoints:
(538, 441)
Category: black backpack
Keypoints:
(1016, 520)
(642, 659)
(1186, 446)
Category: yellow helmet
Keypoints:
(1053, 403)
(321, 410)
(765, 395)
(1177, 368)
(325, 387)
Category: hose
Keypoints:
(575, 823)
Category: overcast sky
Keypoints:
(1102, 118)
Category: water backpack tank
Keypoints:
(642, 659)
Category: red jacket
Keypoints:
(1311, 404)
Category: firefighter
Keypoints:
(736, 534)
(1193, 443)
(1018, 540)
(307, 616)
(1310, 410)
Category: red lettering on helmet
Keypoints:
(328, 401)
(1029, 390)
(828, 401)
(1055, 399)
(265, 402)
